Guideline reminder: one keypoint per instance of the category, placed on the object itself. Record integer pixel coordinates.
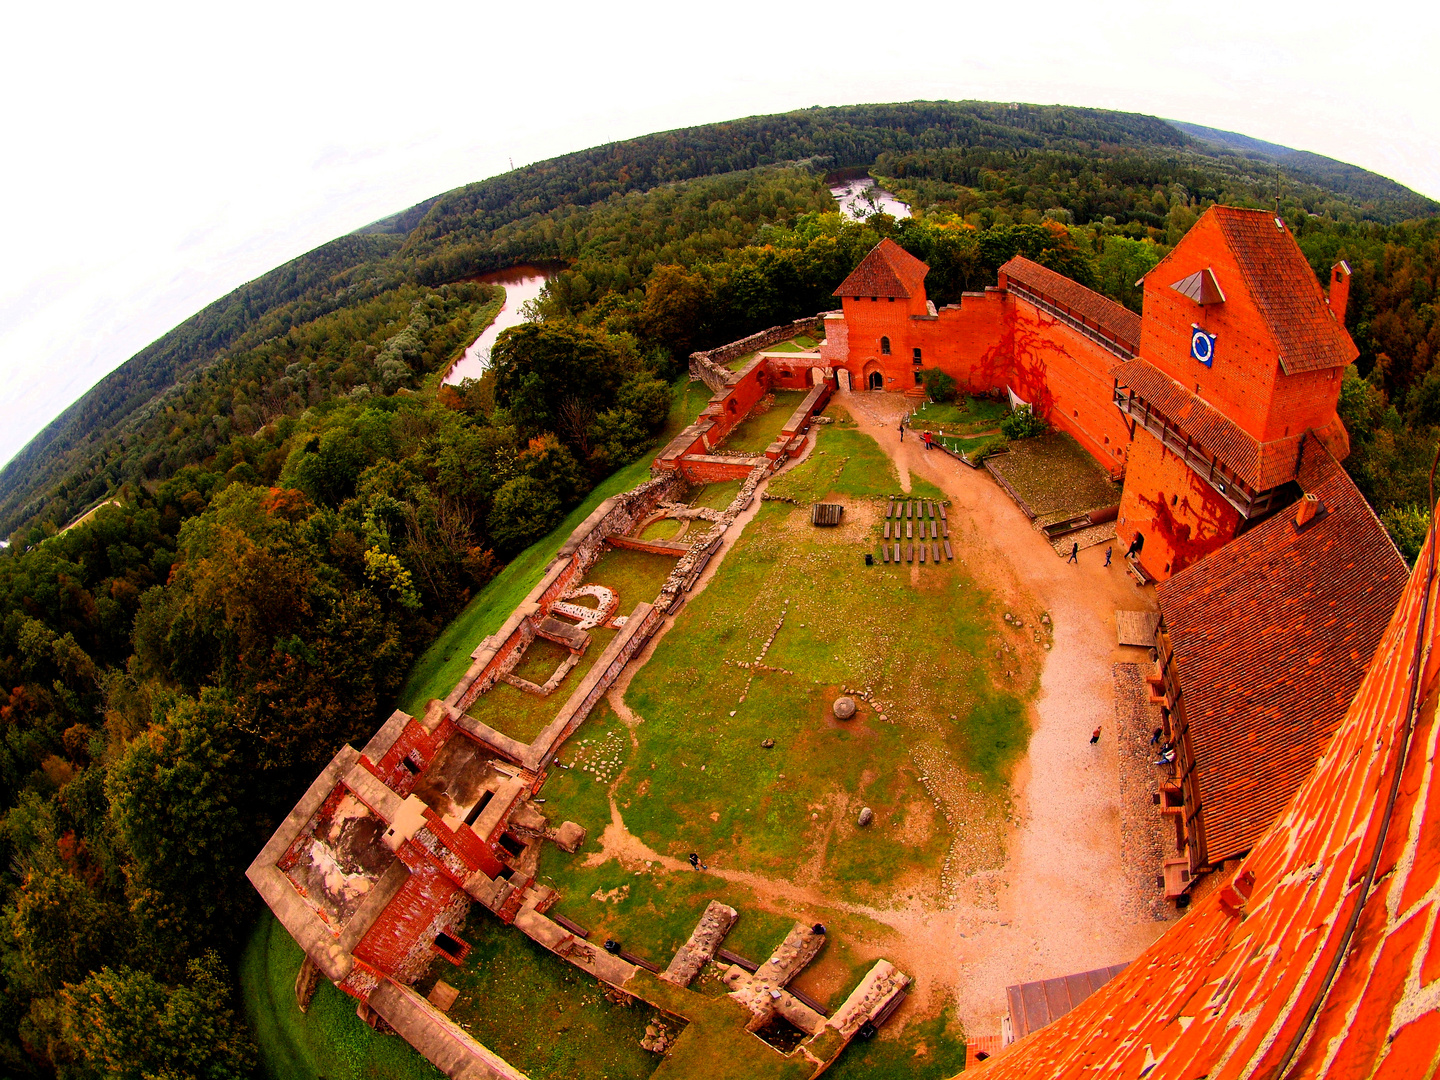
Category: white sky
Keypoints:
(159, 155)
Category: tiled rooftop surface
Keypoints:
(1307, 335)
(1260, 465)
(1099, 311)
(1233, 987)
(1271, 636)
(889, 270)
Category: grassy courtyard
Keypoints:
(929, 752)
(762, 427)
(967, 417)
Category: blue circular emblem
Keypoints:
(1202, 346)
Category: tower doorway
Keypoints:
(876, 381)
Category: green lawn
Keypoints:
(716, 496)
(846, 462)
(539, 1013)
(762, 427)
(664, 529)
(523, 715)
(329, 1042)
(635, 576)
(959, 418)
(696, 778)
(439, 668)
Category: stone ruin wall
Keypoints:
(709, 367)
(617, 515)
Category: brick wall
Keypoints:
(1066, 379)
(1183, 518)
(401, 941)
(417, 744)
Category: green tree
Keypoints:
(938, 385)
(123, 1024)
(524, 510)
(677, 302)
(177, 797)
(61, 931)
(539, 365)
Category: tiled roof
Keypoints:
(1230, 988)
(1099, 311)
(1308, 335)
(1262, 466)
(1271, 637)
(889, 270)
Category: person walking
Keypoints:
(695, 863)
(1074, 553)
(902, 430)
(1108, 550)
(927, 437)
(1094, 736)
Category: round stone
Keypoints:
(866, 816)
(844, 708)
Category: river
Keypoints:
(860, 198)
(522, 284)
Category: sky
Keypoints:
(159, 155)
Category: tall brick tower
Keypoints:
(1241, 353)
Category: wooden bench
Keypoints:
(942, 513)
(934, 530)
(909, 508)
(930, 509)
(948, 553)
(909, 531)
(945, 529)
(935, 553)
(896, 559)
(891, 512)
(909, 552)
(887, 530)
(885, 548)
(922, 554)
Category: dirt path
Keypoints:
(1060, 909)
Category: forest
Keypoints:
(291, 505)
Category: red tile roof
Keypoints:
(1307, 334)
(1261, 466)
(1227, 991)
(1086, 304)
(1271, 637)
(889, 270)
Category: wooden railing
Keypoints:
(1111, 344)
(1245, 499)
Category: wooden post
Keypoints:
(307, 981)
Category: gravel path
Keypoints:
(1064, 902)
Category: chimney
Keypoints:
(1339, 289)
(1306, 509)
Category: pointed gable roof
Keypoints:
(889, 270)
(1307, 335)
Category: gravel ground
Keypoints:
(1142, 828)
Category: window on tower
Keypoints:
(917, 356)
(884, 346)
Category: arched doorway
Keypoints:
(876, 381)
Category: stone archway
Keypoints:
(875, 381)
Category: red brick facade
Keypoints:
(1203, 448)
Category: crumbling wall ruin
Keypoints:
(709, 366)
